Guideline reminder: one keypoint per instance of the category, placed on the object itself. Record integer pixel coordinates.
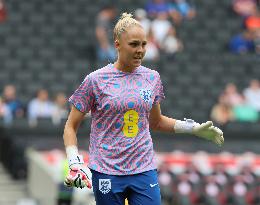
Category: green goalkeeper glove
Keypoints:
(205, 130)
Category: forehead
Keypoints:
(134, 33)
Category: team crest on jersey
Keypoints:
(146, 94)
(104, 185)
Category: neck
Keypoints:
(123, 67)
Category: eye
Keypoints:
(133, 44)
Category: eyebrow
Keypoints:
(137, 41)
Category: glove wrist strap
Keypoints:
(184, 126)
(73, 155)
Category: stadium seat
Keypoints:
(24, 53)
(30, 91)
(4, 52)
(54, 41)
(24, 30)
(56, 87)
(59, 65)
(255, 70)
(46, 77)
(36, 66)
(22, 77)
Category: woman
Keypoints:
(124, 100)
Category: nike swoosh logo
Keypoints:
(153, 185)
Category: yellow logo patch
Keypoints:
(130, 128)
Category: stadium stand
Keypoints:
(51, 44)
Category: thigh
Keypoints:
(107, 189)
(145, 189)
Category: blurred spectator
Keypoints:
(239, 190)
(256, 40)
(65, 194)
(184, 8)
(193, 173)
(165, 34)
(40, 107)
(222, 178)
(257, 192)
(154, 7)
(161, 27)
(2, 11)
(171, 44)
(141, 16)
(249, 177)
(60, 109)
(242, 43)
(194, 177)
(252, 94)
(244, 7)
(104, 34)
(252, 22)
(220, 174)
(152, 48)
(221, 112)
(212, 191)
(5, 113)
(15, 105)
(245, 113)
(232, 96)
(184, 190)
(165, 179)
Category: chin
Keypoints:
(137, 64)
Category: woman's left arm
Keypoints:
(159, 122)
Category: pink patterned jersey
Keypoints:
(120, 103)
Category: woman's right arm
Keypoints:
(75, 160)
(71, 127)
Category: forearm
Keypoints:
(165, 124)
(159, 122)
(70, 142)
(69, 136)
(189, 126)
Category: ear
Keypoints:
(117, 43)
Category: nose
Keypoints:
(140, 49)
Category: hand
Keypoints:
(208, 131)
(78, 177)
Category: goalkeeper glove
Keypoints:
(205, 130)
(78, 176)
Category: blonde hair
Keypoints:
(125, 21)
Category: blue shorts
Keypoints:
(139, 189)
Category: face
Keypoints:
(9, 92)
(43, 95)
(61, 99)
(131, 47)
(254, 84)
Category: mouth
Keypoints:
(138, 58)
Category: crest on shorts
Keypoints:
(146, 94)
(104, 185)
